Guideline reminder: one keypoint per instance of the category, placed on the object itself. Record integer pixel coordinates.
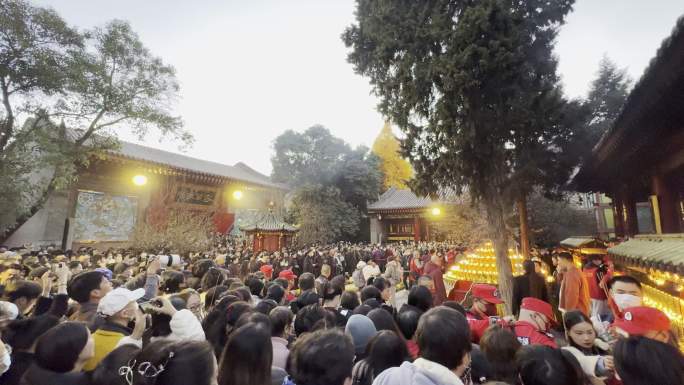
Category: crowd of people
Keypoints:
(319, 315)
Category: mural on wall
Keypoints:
(104, 217)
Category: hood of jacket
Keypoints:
(420, 372)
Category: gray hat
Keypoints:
(361, 329)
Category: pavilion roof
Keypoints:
(396, 199)
(581, 241)
(649, 125)
(268, 221)
(239, 172)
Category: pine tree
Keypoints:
(473, 85)
(396, 170)
(607, 95)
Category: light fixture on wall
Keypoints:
(436, 211)
(237, 195)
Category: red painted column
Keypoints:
(416, 229)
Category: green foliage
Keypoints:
(552, 220)
(473, 85)
(322, 215)
(313, 156)
(94, 83)
(462, 224)
(35, 44)
(328, 178)
(115, 81)
(607, 95)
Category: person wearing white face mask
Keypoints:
(625, 292)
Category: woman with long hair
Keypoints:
(595, 360)
(385, 350)
(22, 335)
(247, 357)
(500, 346)
(644, 361)
(172, 363)
(60, 355)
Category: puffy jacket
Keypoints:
(393, 272)
(106, 339)
(420, 372)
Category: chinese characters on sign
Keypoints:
(190, 195)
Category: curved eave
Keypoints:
(114, 155)
(414, 210)
(651, 112)
(257, 229)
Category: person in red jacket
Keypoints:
(450, 256)
(415, 267)
(535, 319)
(574, 291)
(483, 312)
(597, 274)
(434, 269)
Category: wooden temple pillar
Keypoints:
(618, 216)
(255, 243)
(417, 236)
(427, 232)
(665, 205)
(631, 221)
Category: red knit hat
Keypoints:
(640, 320)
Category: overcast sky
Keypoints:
(250, 69)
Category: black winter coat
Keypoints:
(35, 375)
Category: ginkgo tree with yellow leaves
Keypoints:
(396, 170)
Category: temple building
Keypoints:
(400, 215)
(639, 161)
(639, 165)
(137, 184)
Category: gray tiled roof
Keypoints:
(399, 199)
(665, 250)
(268, 221)
(239, 172)
(578, 241)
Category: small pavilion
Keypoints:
(268, 232)
(400, 215)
